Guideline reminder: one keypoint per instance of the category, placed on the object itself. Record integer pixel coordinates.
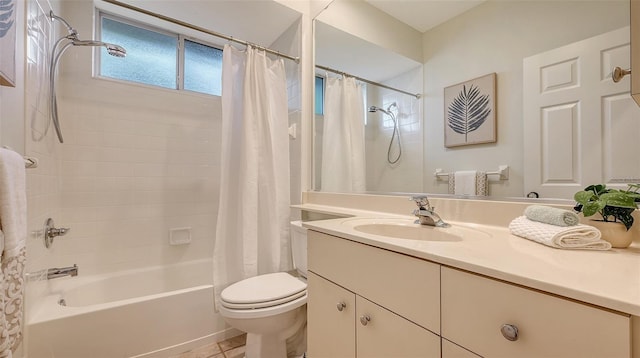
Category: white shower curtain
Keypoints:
(343, 159)
(252, 232)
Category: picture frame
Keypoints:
(470, 112)
(8, 9)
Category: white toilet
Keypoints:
(271, 307)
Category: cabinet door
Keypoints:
(386, 334)
(451, 350)
(330, 319)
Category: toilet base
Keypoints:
(274, 345)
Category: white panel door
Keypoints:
(580, 127)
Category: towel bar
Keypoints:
(503, 172)
(29, 162)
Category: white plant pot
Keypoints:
(615, 233)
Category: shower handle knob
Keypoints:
(341, 306)
(50, 231)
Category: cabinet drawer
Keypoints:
(474, 309)
(405, 285)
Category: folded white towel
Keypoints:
(582, 237)
(553, 216)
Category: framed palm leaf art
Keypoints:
(470, 112)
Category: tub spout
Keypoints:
(62, 272)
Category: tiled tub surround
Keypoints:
(609, 279)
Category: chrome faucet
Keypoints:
(62, 272)
(426, 213)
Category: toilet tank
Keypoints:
(299, 247)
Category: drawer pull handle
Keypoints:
(341, 306)
(510, 332)
(365, 319)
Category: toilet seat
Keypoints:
(263, 291)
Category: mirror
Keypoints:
(493, 37)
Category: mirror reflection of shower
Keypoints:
(396, 132)
(71, 39)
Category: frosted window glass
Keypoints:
(151, 56)
(319, 95)
(202, 68)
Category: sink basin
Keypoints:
(406, 229)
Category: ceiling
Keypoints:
(423, 15)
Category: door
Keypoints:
(580, 127)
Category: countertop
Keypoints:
(609, 279)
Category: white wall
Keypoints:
(290, 43)
(373, 25)
(495, 37)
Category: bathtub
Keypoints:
(152, 312)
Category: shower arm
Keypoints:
(72, 32)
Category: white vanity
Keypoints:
(474, 291)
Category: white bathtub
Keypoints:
(151, 312)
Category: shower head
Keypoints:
(374, 109)
(112, 49)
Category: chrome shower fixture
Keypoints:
(71, 39)
(396, 130)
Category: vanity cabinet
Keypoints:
(368, 302)
(418, 308)
(476, 308)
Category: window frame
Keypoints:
(180, 51)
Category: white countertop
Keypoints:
(610, 279)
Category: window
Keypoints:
(202, 68)
(156, 57)
(319, 96)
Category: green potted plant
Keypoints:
(615, 209)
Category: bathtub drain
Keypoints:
(62, 302)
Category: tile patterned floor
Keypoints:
(231, 348)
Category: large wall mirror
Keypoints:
(383, 41)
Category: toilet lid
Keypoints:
(263, 290)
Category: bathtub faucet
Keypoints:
(62, 272)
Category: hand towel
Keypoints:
(580, 236)
(13, 228)
(553, 216)
(468, 182)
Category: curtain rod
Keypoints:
(201, 29)
(416, 95)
